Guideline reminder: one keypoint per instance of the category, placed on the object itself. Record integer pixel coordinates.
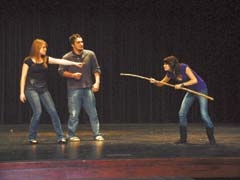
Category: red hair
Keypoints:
(37, 44)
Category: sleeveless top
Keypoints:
(201, 85)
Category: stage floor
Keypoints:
(121, 141)
(129, 152)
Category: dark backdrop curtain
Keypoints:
(130, 36)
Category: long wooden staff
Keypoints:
(171, 85)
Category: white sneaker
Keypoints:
(61, 141)
(33, 141)
(74, 139)
(99, 138)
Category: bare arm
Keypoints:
(23, 82)
(192, 79)
(67, 74)
(96, 85)
(64, 62)
(76, 75)
(158, 83)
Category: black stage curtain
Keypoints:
(128, 36)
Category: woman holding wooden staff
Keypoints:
(186, 77)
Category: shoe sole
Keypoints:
(33, 142)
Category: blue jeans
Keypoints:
(85, 98)
(187, 103)
(35, 99)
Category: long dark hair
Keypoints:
(174, 64)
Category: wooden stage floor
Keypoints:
(130, 151)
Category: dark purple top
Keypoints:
(197, 87)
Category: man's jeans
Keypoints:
(35, 99)
(85, 98)
(187, 103)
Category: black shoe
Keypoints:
(183, 135)
(180, 141)
(210, 135)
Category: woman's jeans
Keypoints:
(187, 103)
(85, 98)
(35, 99)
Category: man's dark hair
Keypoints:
(73, 37)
